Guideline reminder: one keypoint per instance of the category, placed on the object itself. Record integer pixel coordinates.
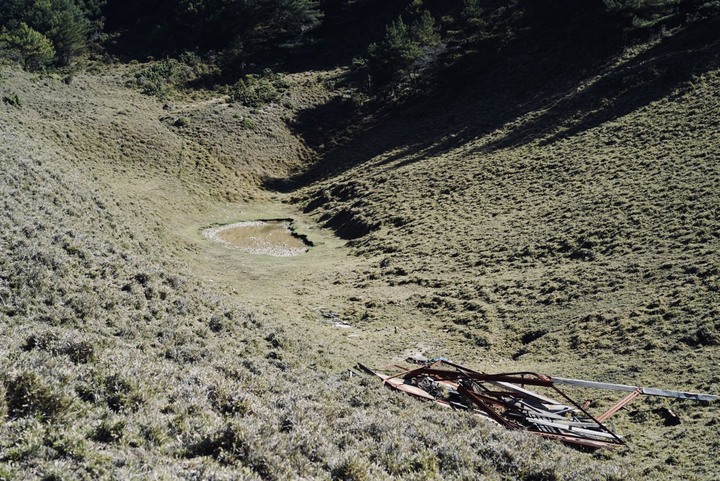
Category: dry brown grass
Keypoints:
(580, 238)
(134, 347)
(121, 359)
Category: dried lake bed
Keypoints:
(266, 237)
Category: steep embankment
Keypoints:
(572, 228)
(120, 362)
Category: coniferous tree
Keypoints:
(424, 32)
(65, 23)
(30, 47)
(68, 30)
(295, 17)
(402, 45)
(12, 12)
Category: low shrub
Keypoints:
(109, 431)
(248, 124)
(161, 78)
(28, 394)
(351, 469)
(256, 91)
(182, 122)
(121, 394)
(12, 100)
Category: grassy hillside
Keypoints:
(564, 223)
(503, 211)
(120, 361)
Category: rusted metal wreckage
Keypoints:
(505, 399)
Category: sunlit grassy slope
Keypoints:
(118, 362)
(568, 226)
(571, 227)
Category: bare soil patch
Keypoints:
(271, 237)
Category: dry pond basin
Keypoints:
(274, 237)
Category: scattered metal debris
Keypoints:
(333, 318)
(328, 314)
(505, 399)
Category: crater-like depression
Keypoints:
(269, 237)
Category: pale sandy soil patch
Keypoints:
(273, 238)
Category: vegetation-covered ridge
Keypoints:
(557, 216)
(240, 37)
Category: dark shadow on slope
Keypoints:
(325, 122)
(345, 32)
(138, 29)
(490, 88)
(618, 91)
(465, 97)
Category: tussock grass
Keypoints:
(578, 237)
(117, 363)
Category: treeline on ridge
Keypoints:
(43, 33)
(389, 39)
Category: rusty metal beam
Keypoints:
(623, 402)
(483, 406)
(515, 378)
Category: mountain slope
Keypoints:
(121, 360)
(574, 231)
(504, 214)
